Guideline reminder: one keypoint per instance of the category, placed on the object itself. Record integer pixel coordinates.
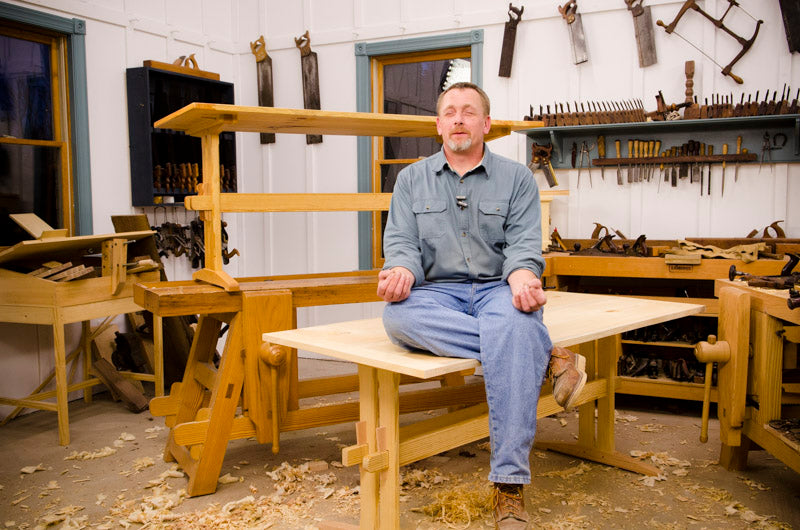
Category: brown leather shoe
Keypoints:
(568, 371)
(509, 507)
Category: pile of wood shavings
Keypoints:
(297, 490)
(459, 506)
(91, 455)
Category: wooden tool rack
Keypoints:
(755, 324)
(255, 391)
(27, 299)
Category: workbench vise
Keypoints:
(730, 350)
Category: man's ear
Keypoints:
(438, 128)
(487, 125)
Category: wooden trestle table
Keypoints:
(592, 323)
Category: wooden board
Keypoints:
(52, 248)
(572, 318)
(196, 118)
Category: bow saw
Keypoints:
(745, 43)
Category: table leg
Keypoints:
(59, 354)
(158, 354)
(602, 449)
(86, 346)
(607, 353)
(368, 404)
(389, 440)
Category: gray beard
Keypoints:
(459, 147)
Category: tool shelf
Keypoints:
(716, 131)
(165, 163)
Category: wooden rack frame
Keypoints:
(207, 121)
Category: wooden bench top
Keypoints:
(571, 318)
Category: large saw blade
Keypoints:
(575, 28)
(509, 38)
(308, 62)
(645, 40)
(264, 78)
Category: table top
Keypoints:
(195, 118)
(571, 318)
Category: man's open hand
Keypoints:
(394, 285)
(527, 294)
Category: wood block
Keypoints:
(31, 223)
(106, 372)
(103, 344)
(73, 274)
(49, 271)
(681, 259)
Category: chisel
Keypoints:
(619, 166)
(710, 153)
(724, 152)
(601, 153)
(630, 156)
(738, 152)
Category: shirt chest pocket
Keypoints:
(492, 219)
(431, 218)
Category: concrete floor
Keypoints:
(78, 487)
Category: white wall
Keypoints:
(123, 33)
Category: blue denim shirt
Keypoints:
(497, 232)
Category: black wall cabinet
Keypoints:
(166, 165)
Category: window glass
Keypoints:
(26, 109)
(413, 88)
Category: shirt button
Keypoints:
(467, 260)
(463, 234)
(461, 181)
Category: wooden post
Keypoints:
(368, 406)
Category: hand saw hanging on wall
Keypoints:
(569, 12)
(264, 77)
(509, 38)
(308, 62)
(643, 28)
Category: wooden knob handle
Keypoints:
(712, 351)
(273, 355)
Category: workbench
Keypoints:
(756, 324)
(25, 299)
(592, 323)
(656, 279)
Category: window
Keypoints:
(404, 77)
(408, 84)
(34, 147)
(44, 151)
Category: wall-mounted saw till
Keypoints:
(745, 43)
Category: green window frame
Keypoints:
(364, 52)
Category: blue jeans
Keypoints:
(478, 321)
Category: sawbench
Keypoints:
(590, 323)
(756, 341)
(31, 296)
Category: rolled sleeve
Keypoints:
(400, 237)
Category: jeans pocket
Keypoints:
(492, 220)
(431, 217)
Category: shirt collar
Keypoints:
(439, 161)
